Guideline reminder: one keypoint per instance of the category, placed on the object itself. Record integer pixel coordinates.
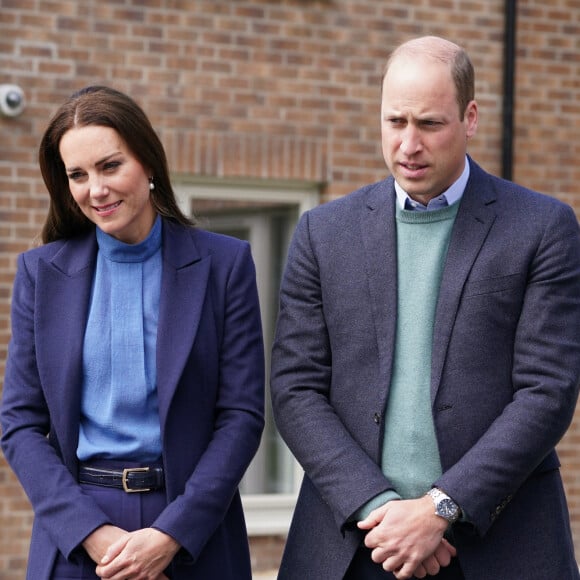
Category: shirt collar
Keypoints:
(451, 195)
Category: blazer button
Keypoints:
(377, 418)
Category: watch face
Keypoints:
(447, 508)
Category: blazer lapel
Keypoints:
(183, 287)
(61, 317)
(472, 224)
(380, 241)
(61, 314)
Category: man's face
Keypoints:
(423, 138)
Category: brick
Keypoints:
(273, 90)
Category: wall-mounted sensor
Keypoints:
(12, 101)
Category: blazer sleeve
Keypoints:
(301, 379)
(236, 418)
(545, 374)
(59, 504)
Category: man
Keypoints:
(427, 355)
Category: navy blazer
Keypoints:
(210, 382)
(504, 375)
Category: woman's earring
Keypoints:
(151, 184)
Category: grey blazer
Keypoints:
(504, 375)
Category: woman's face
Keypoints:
(108, 182)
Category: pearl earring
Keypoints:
(151, 184)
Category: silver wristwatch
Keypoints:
(444, 505)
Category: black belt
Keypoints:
(131, 479)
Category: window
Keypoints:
(264, 215)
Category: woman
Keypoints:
(133, 395)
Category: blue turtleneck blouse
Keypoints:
(119, 406)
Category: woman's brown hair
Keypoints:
(105, 107)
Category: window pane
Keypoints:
(268, 230)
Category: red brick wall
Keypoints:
(273, 89)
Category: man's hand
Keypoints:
(139, 555)
(440, 559)
(406, 536)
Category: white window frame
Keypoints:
(266, 514)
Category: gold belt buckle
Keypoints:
(126, 473)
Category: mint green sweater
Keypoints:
(410, 453)
(410, 456)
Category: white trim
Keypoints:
(305, 195)
(268, 514)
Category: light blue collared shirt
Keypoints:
(453, 194)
